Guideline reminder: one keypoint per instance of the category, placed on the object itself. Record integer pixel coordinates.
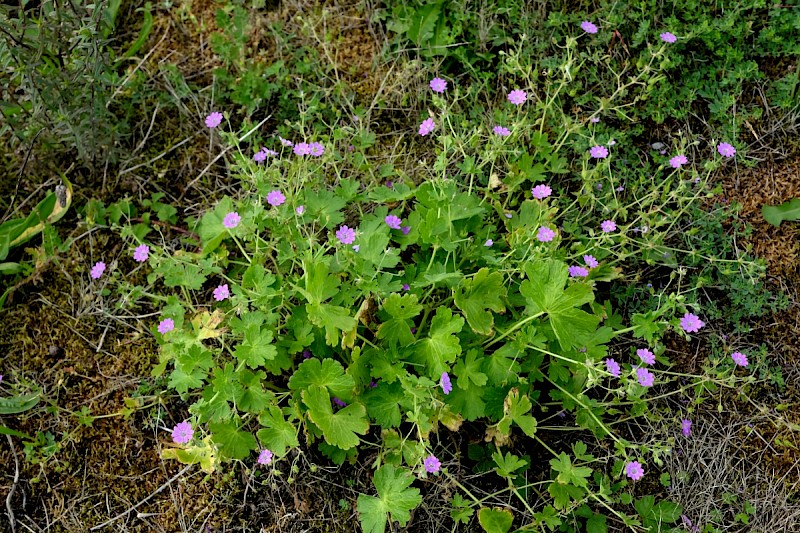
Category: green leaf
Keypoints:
(563, 495)
(423, 23)
(475, 295)
(278, 434)
(18, 404)
(545, 293)
(507, 465)
(775, 214)
(569, 473)
(461, 511)
(468, 370)
(232, 443)
(495, 520)
(333, 318)
(319, 284)
(327, 373)
(251, 397)
(437, 351)
(340, 428)
(210, 229)
(596, 524)
(516, 410)
(396, 498)
(401, 309)
(383, 404)
(468, 402)
(257, 347)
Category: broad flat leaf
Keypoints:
(516, 409)
(569, 473)
(596, 524)
(563, 495)
(210, 230)
(232, 443)
(12, 405)
(508, 464)
(775, 214)
(191, 369)
(333, 319)
(475, 295)
(502, 367)
(257, 347)
(340, 428)
(278, 435)
(437, 351)
(545, 293)
(251, 397)
(328, 373)
(401, 309)
(319, 284)
(495, 520)
(468, 370)
(469, 402)
(396, 498)
(206, 325)
(423, 23)
(383, 404)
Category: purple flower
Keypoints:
(300, 209)
(588, 27)
(97, 270)
(316, 149)
(214, 119)
(540, 192)
(302, 149)
(691, 323)
(726, 150)
(346, 235)
(166, 325)
(393, 221)
(1, 378)
(517, 97)
(339, 403)
(356, 248)
(182, 432)
(599, 152)
(405, 230)
(645, 377)
(739, 358)
(444, 382)
(406, 287)
(678, 160)
(590, 261)
(646, 356)
(307, 354)
(141, 253)
(275, 198)
(488, 243)
(432, 464)
(594, 120)
(501, 131)
(613, 367)
(390, 184)
(686, 427)
(668, 37)
(372, 384)
(231, 220)
(260, 156)
(427, 126)
(265, 457)
(634, 470)
(438, 85)
(509, 215)
(221, 292)
(545, 234)
(285, 142)
(578, 272)
(608, 226)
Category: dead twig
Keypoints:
(9, 510)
